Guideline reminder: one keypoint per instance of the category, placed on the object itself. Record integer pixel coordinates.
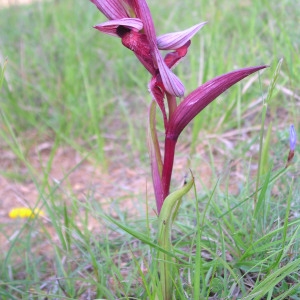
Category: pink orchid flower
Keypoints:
(131, 20)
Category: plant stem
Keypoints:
(170, 144)
(172, 104)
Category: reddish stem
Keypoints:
(170, 144)
(172, 104)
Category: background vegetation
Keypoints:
(70, 87)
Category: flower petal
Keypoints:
(138, 43)
(158, 95)
(173, 58)
(196, 101)
(171, 82)
(175, 40)
(142, 12)
(112, 9)
(110, 27)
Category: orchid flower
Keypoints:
(131, 21)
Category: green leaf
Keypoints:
(166, 218)
(2, 70)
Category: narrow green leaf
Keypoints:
(264, 113)
(261, 142)
(260, 290)
(2, 70)
(285, 227)
(258, 211)
(67, 228)
(142, 237)
(265, 162)
(166, 217)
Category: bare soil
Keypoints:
(119, 186)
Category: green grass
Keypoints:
(237, 235)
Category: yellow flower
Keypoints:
(24, 212)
